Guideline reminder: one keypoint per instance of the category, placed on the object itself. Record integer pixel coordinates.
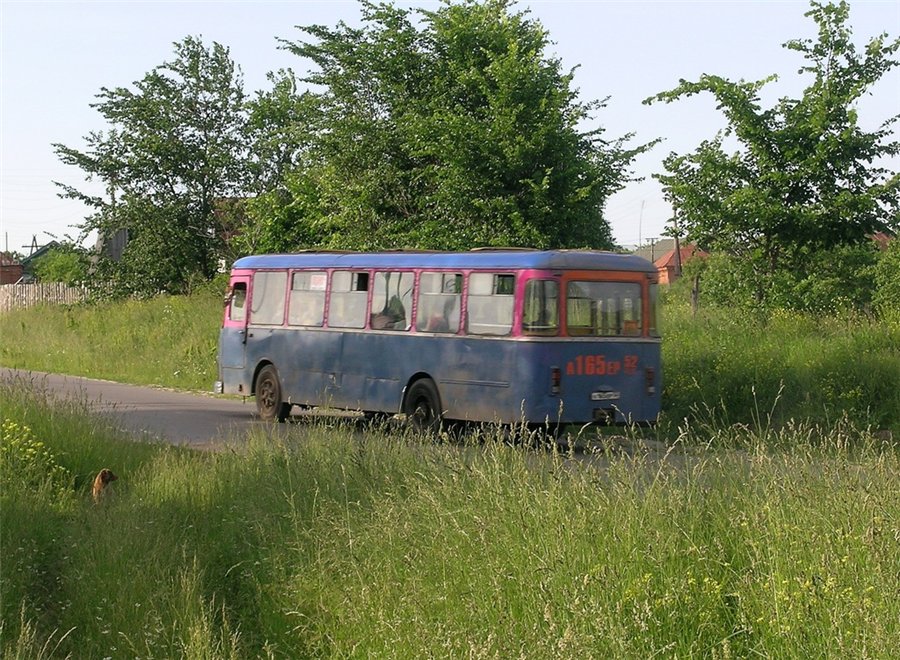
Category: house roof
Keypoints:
(41, 251)
(687, 252)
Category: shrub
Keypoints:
(823, 282)
(26, 461)
(886, 297)
(67, 264)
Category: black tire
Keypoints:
(422, 406)
(269, 405)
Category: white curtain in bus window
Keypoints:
(603, 308)
(307, 298)
(540, 314)
(349, 295)
(267, 302)
(438, 307)
(490, 303)
(392, 301)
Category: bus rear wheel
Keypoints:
(422, 406)
(269, 405)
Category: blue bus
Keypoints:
(507, 336)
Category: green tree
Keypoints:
(176, 148)
(441, 129)
(806, 177)
(278, 132)
(66, 263)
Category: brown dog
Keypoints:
(100, 483)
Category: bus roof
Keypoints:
(482, 258)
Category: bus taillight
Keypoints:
(650, 380)
(555, 380)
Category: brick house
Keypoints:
(11, 270)
(668, 263)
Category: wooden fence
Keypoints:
(18, 296)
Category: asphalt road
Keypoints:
(177, 417)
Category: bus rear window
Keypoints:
(540, 314)
(603, 309)
(490, 303)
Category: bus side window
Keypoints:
(490, 303)
(392, 301)
(349, 296)
(438, 307)
(267, 306)
(307, 299)
(540, 314)
(237, 299)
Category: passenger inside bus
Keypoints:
(438, 316)
(437, 322)
(392, 317)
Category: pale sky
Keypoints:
(56, 55)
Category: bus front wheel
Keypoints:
(269, 405)
(423, 406)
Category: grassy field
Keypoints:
(318, 541)
(772, 528)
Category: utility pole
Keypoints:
(640, 222)
(677, 244)
(652, 242)
(34, 246)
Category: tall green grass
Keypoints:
(786, 366)
(167, 341)
(316, 540)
